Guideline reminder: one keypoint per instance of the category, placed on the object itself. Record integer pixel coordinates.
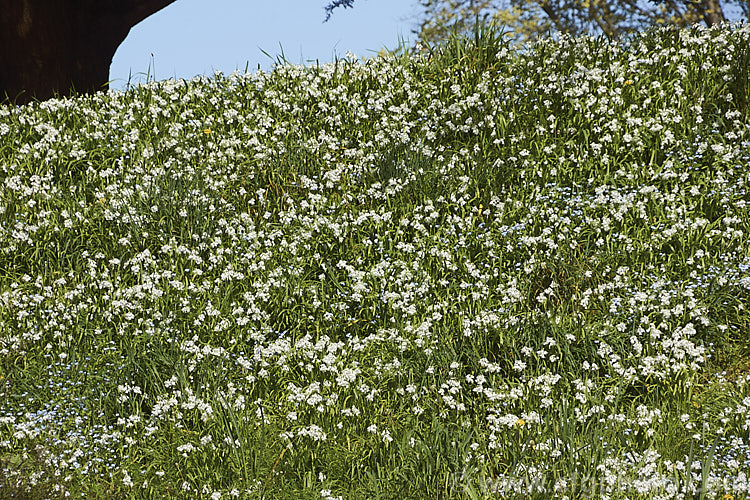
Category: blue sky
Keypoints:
(191, 37)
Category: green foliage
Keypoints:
(530, 20)
(460, 271)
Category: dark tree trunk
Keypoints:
(712, 12)
(53, 47)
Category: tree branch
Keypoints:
(138, 10)
(337, 3)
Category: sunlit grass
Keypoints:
(463, 272)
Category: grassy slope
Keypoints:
(428, 276)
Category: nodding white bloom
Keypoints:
(314, 432)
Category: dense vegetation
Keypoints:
(462, 273)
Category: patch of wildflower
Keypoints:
(234, 286)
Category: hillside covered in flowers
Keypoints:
(468, 272)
